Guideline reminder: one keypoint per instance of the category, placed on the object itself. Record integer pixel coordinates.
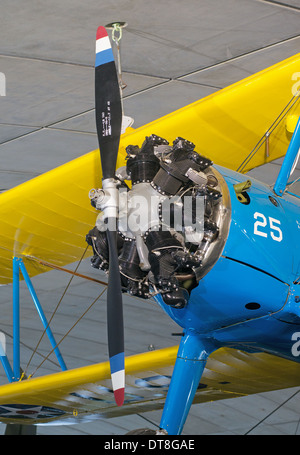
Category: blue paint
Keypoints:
(103, 57)
(16, 319)
(288, 162)
(42, 315)
(249, 299)
(14, 375)
(190, 363)
(7, 368)
(117, 362)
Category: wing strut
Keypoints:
(19, 266)
(291, 157)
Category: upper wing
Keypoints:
(227, 125)
(49, 216)
(75, 395)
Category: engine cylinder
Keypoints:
(172, 223)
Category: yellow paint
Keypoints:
(228, 373)
(291, 122)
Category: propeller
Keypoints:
(108, 106)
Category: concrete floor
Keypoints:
(173, 53)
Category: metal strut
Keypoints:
(190, 363)
(15, 373)
(290, 161)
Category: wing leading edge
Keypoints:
(78, 395)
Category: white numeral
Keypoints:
(278, 236)
(261, 227)
(258, 224)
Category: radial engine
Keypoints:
(173, 221)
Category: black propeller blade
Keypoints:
(109, 122)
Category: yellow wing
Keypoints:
(77, 395)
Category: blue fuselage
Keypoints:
(250, 299)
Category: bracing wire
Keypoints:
(295, 98)
(55, 310)
(272, 412)
(67, 333)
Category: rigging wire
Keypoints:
(296, 431)
(26, 346)
(54, 312)
(295, 98)
(67, 333)
(63, 269)
(272, 412)
(161, 40)
(149, 421)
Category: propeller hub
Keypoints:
(108, 199)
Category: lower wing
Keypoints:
(78, 395)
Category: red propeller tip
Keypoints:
(101, 32)
(119, 396)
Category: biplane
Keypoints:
(169, 213)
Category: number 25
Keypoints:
(261, 227)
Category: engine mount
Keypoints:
(173, 221)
